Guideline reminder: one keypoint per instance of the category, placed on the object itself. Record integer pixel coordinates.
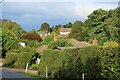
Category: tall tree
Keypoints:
(76, 29)
(69, 25)
(103, 25)
(57, 27)
(45, 27)
(9, 40)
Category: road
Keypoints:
(10, 74)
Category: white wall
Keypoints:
(64, 33)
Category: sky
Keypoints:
(30, 14)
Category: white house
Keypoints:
(43, 34)
(65, 31)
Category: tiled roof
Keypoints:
(42, 48)
(65, 29)
(76, 43)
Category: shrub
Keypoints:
(11, 57)
(110, 63)
(49, 38)
(48, 60)
(59, 43)
(32, 43)
(94, 62)
(19, 58)
(25, 57)
(72, 68)
(34, 67)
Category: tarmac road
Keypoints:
(6, 74)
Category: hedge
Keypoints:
(19, 58)
(94, 62)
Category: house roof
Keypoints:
(62, 48)
(77, 43)
(42, 48)
(43, 33)
(65, 29)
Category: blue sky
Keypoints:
(31, 13)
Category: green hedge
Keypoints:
(48, 57)
(19, 58)
(94, 62)
(110, 62)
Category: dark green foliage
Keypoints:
(95, 62)
(11, 33)
(103, 24)
(59, 43)
(8, 24)
(19, 58)
(76, 29)
(69, 68)
(110, 63)
(79, 31)
(69, 25)
(11, 57)
(45, 27)
(9, 40)
(57, 28)
(48, 62)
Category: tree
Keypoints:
(10, 24)
(9, 40)
(31, 36)
(45, 27)
(76, 29)
(69, 25)
(49, 38)
(13, 26)
(33, 31)
(102, 24)
(57, 27)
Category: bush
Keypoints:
(26, 56)
(110, 63)
(48, 59)
(32, 43)
(59, 43)
(19, 58)
(94, 62)
(11, 57)
(34, 67)
(49, 38)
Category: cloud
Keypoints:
(32, 14)
(61, 1)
